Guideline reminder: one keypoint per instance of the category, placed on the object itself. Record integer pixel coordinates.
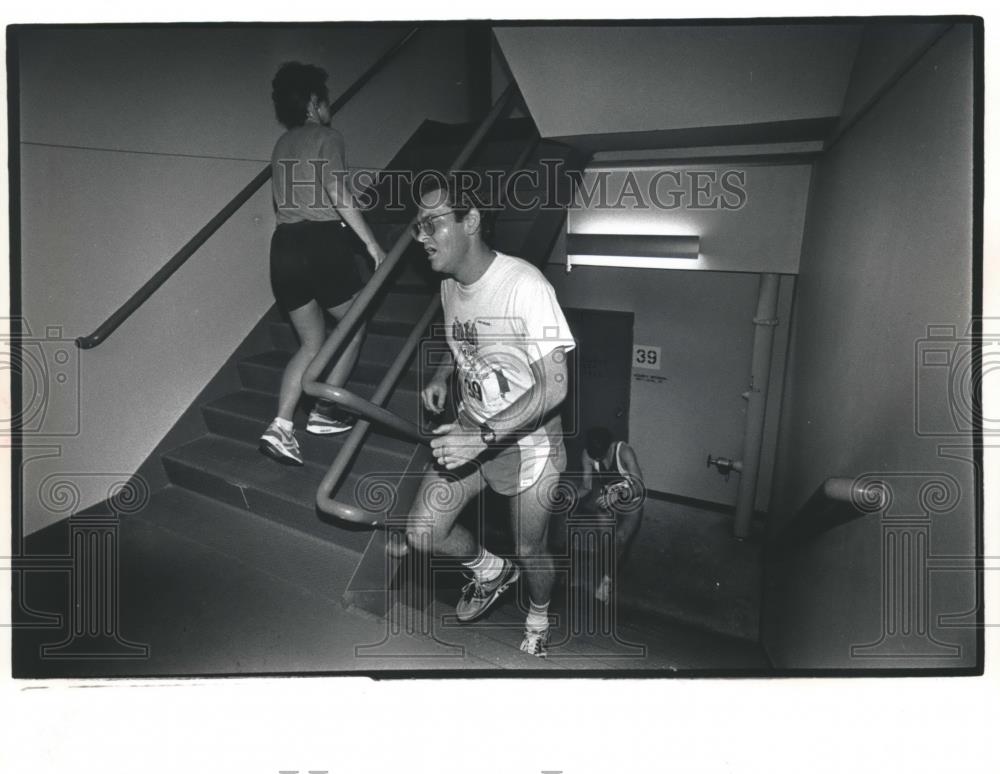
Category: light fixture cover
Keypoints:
(637, 245)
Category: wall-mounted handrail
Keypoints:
(871, 495)
(837, 501)
(138, 298)
(179, 258)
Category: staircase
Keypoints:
(230, 568)
(208, 485)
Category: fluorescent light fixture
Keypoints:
(641, 251)
(627, 262)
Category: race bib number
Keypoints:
(492, 378)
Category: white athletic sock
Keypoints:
(486, 566)
(538, 617)
(284, 424)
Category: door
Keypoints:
(600, 376)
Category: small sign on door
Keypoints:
(645, 356)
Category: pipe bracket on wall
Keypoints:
(724, 465)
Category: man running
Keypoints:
(507, 342)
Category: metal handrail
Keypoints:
(856, 491)
(310, 379)
(372, 410)
(179, 258)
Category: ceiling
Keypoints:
(629, 87)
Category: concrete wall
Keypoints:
(130, 140)
(207, 91)
(887, 253)
(672, 77)
(885, 50)
(701, 318)
(702, 323)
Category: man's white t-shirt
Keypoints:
(496, 327)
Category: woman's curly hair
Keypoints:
(292, 88)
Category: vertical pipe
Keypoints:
(760, 369)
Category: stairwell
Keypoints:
(230, 568)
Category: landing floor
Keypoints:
(204, 590)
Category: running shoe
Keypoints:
(280, 445)
(478, 596)
(535, 643)
(327, 419)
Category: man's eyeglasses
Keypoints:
(426, 225)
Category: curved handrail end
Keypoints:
(871, 494)
(350, 513)
(87, 342)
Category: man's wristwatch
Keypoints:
(488, 434)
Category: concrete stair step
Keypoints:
(295, 556)
(262, 372)
(407, 307)
(381, 345)
(238, 475)
(244, 415)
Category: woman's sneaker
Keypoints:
(326, 419)
(535, 643)
(280, 445)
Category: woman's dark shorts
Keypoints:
(315, 260)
